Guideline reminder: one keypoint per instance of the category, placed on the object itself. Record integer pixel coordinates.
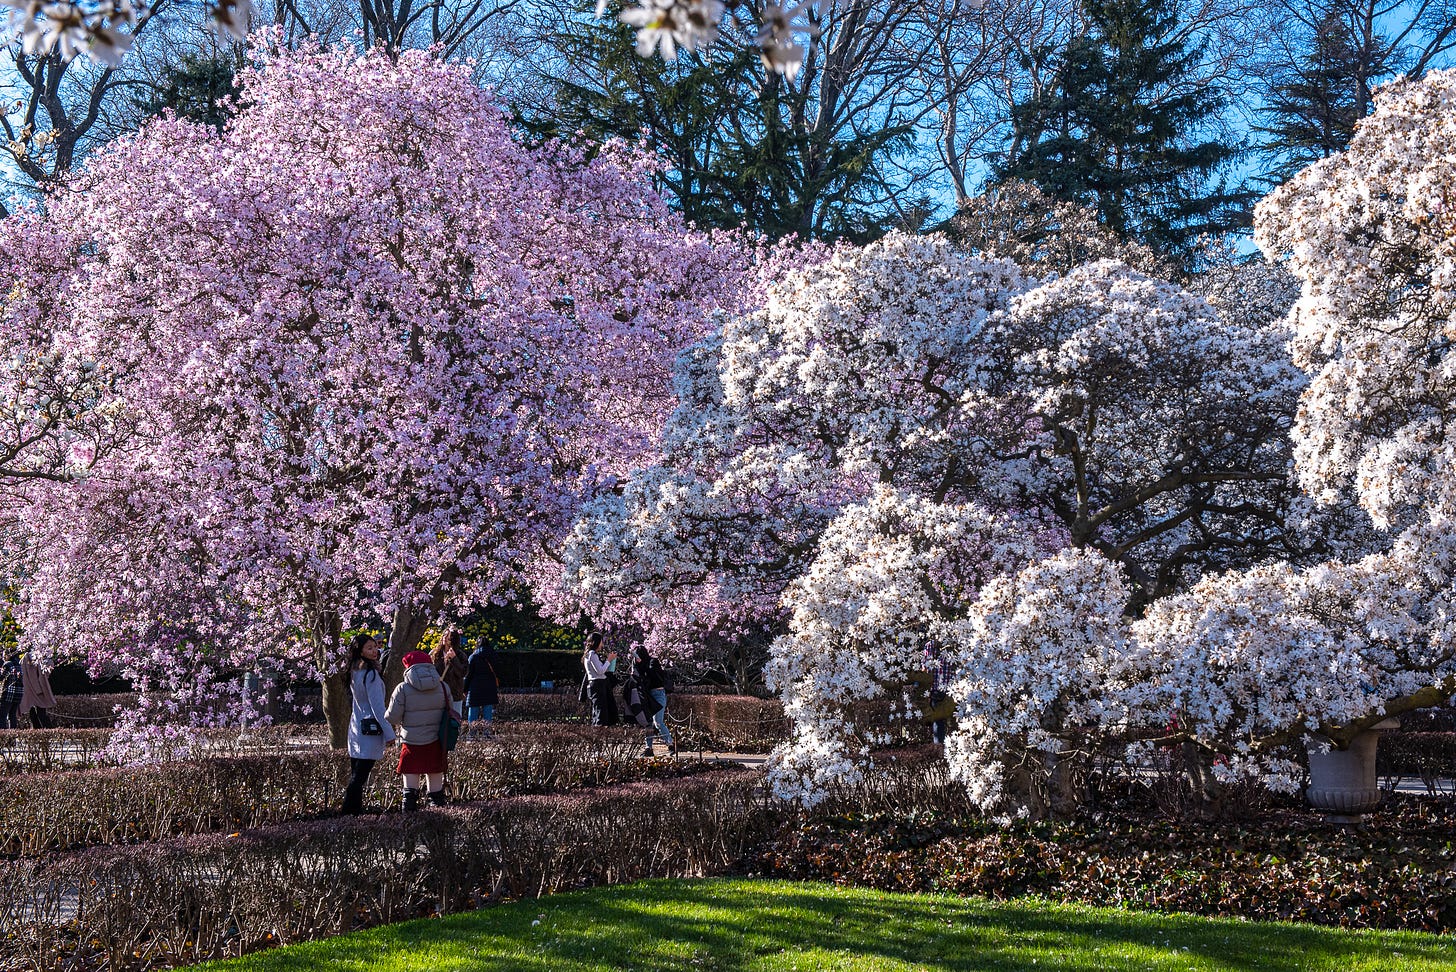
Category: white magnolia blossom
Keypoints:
(666, 26)
(231, 20)
(1371, 235)
(104, 30)
(1045, 668)
(1249, 660)
(776, 41)
(671, 24)
(891, 452)
(890, 574)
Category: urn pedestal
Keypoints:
(1342, 782)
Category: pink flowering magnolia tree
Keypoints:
(388, 349)
(59, 414)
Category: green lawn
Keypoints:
(774, 926)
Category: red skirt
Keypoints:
(421, 758)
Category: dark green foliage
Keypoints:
(528, 669)
(1119, 129)
(1313, 108)
(741, 145)
(9, 632)
(199, 88)
(519, 625)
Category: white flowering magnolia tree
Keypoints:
(1333, 649)
(910, 444)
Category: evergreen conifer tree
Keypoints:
(1313, 108)
(741, 143)
(1121, 128)
(198, 87)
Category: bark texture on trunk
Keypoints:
(326, 632)
(405, 634)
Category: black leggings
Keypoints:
(358, 779)
(9, 714)
(41, 719)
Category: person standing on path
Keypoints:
(417, 708)
(938, 661)
(652, 684)
(369, 730)
(599, 681)
(482, 689)
(449, 659)
(12, 690)
(36, 698)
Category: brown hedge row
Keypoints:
(1426, 756)
(82, 808)
(54, 750)
(187, 900)
(90, 711)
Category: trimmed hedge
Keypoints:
(726, 723)
(183, 901)
(95, 711)
(57, 750)
(528, 669)
(747, 724)
(68, 810)
(1426, 756)
(700, 721)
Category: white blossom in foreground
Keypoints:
(1045, 668)
(776, 37)
(889, 574)
(1255, 660)
(1371, 235)
(671, 24)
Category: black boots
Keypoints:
(412, 799)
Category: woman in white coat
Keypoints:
(369, 731)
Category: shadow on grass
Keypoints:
(738, 926)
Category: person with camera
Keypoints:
(651, 682)
(599, 681)
(369, 732)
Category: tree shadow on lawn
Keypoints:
(686, 926)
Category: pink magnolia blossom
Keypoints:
(380, 352)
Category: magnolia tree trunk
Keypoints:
(326, 631)
(408, 627)
(1209, 795)
(405, 634)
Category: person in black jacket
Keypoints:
(12, 690)
(481, 690)
(652, 685)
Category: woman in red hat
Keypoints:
(416, 709)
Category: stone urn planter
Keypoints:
(1342, 782)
